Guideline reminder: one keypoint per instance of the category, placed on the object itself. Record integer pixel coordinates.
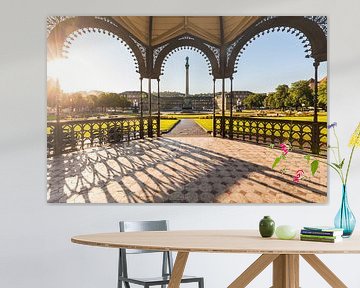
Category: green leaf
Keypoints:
(339, 166)
(276, 162)
(272, 146)
(342, 164)
(307, 157)
(314, 166)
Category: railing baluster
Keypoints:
(66, 135)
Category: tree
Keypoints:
(301, 94)
(78, 102)
(53, 91)
(123, 102)
(92, 102)
(103, 101)
(113, 100)
(270, 100)
(254, 101)
(282, 96)
(322, 95)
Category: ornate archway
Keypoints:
(150, 39)
(62, 31)
(210, 53)
(312, 31)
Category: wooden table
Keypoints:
(284, 254)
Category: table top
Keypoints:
(216, 241)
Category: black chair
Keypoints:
(167, 265)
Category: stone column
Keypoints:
(187, 77)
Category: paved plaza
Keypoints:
(182, 170)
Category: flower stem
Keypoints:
(336, 169)
(348, 167)
(350, 159)
(338, 145)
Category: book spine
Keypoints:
(319, 233)
(319, 236)
(317, 239)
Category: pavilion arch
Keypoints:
(64, 30)
(310, 31)
(220, 39)
(210, 53)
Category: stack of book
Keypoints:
(321, 234)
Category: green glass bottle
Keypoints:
(267, 227)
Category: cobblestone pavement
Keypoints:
(180, 169)
(187, 127)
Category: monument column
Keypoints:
(187, 77)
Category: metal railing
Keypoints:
(66, 136)
(301, 135)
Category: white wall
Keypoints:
(35, 248)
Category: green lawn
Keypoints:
(207, 124)
(167, 124)
(185, 116)
(321, 118)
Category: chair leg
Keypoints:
(201, 283)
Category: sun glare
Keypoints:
(57, 68)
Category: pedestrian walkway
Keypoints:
(187, 128)
(181, 170)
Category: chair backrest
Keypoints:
(135, 226)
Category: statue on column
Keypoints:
(187, 105)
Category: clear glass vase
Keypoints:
(345, 219)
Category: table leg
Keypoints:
(178, 269)
(253, 270)
(286, 271)
(324, 271)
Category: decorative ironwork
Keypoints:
(186, 37)
(66, 136)
(157, 51)
(52, 21)
(321, 21)
(298, 34)
(106, 19)
(299, 134)
(216, 52)
(231, 47)
(264, 19)
(187, 47)
(217, 128)
(141, 47)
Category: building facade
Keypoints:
(175, 101)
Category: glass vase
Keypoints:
(345, 219)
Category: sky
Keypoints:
(100, 62)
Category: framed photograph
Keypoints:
(187, 109)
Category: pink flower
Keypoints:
(298, 175)
(284, 148)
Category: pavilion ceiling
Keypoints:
(165, 28)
